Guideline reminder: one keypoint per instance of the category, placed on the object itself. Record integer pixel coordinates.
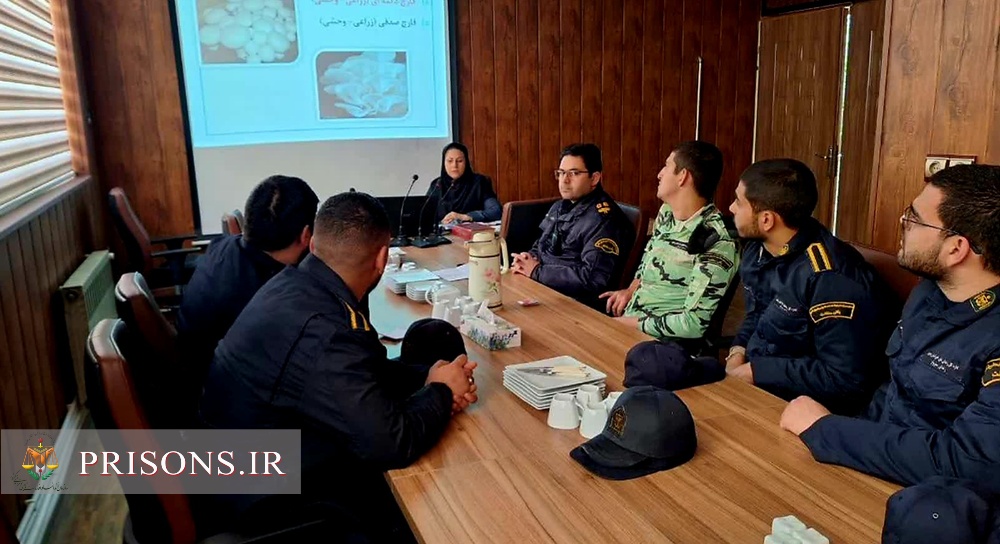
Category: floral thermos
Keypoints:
(488, 259)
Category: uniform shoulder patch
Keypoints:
(603, 208)
(984, 300)
(991, 374)
(607, 245)
(717, 260)
(832, 310)
(819, 258)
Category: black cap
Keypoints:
(939, 510)
(668, 366)
(649, 430)
(429, 340)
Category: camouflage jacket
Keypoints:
(678, 292)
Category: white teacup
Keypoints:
(562, 412)
(587, 394)
(595, 415)
(442, 292)
(609, 402)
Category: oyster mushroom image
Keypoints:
(247, 31)
(362, 84)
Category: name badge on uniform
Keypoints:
(831, 310)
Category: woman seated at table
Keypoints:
(462, 194)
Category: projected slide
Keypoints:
(274, 71)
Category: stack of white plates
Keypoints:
(418, 290)
(538, 389)
(398, 281)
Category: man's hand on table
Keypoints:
(618, 300)
(458, 376)
(742, 372)
(524, 264)
(802, 413)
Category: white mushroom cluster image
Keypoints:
(362, 84)
(250, 31)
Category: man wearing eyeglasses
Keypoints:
(586, 237)
(939, 414)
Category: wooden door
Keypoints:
(801, 68)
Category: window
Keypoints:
(34, 140)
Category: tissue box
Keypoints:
(494, 336)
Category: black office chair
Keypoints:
(520, 222)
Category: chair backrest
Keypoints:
(230, 224)
(136, 305)
(115, 404)
(635, 216)
(520, 221)
(138, 247)
(901, 281)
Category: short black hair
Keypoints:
(786, 187)
(971, 207)
(590, 153)
(704, 161)
(354, 222)
(276, 212)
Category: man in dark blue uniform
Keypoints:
(814, 306)
(939, 415)
(586, 237)
(303, 355)
(279, 221)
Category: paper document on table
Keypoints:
(460, 272)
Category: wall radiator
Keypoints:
(88, 297)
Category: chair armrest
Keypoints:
(169, 253)
(176, 242)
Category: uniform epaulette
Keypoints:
(819, 258)
(358, 321)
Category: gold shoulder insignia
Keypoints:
(358, 321)
(983, 301)
(607, 245)
(603, 208)
(819, 258)
(618, 420)
(832, 310)
(991, 374)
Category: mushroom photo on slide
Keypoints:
(362, 84)
(247, 31)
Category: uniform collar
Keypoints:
(329, 279)
(585, 202)
(806, 235)
(984, 303)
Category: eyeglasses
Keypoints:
(559, 174)
(910, 218)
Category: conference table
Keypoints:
(501, 474)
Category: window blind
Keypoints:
(34, 142)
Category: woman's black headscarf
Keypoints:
(466, 194)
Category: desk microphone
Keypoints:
(434, 238)
(400, 240)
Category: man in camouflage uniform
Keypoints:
(691, 259)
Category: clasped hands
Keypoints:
(523, 263)
(457, 375)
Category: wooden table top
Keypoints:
(501, 474)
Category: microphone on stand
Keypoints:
(400, 240)
(435, 238)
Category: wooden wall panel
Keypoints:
(135, 104)
(860, 137)
(620, 73)
(41, 243)
(941, 84)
